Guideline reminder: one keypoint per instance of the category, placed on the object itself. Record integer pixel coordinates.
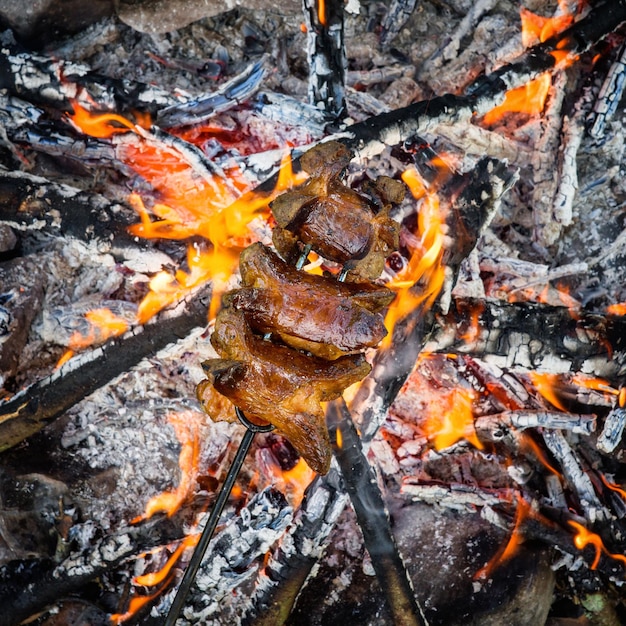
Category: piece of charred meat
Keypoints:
(328, 317)
(339, 223)
(277, 383)
(288, 340)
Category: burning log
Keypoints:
(30, 410)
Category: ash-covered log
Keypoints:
(31, 409)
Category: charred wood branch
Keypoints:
(233, 558)
(51, 83)
(612, 431)
(327, 55)
(578, 480)
(534, 336)
(457, 497)
(291, 563)
(28, 587)
(369, 506)
(398, 13)
(371, 136)
(609, 95)
(495, 427)
(48, 82)
(34, 203)
(30, 410)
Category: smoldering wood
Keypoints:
(490, 425)
(457, 497)
(232, 555)
(32, 203)
(44, 81)
(371, 136)
(27, 588)
(372, 516)
(326, 55)
(290, 564)
(612, 430)
(235, 91)
(31, 409)
(534, 336)
(578, 480)
(398, 12)
(609, 95)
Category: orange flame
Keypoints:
(528, 443)
(473, 329)
(187, 428)
(297, 479)
(102, 125)
(192, 204)
(529, 98)
(449, 419)
(584, 537)
(545, 385)
(613, 486)
(616, 309)
(509, 549)
(104, 325)
(155, 578)
(321, 11)
(426, 263)
(536, 28)
(134, 606)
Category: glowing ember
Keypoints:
(187, 427)
(297, 479)
(426, 263)
(529, 99)
(617, 309)
(584, 537)
(450, 418)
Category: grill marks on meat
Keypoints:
(319, 327)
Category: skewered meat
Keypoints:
(336, 221)
(326, 325)
(331, 317)
(286, 386)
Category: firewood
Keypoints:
(31, 409)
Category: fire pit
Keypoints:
(477, 473)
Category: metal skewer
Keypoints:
(208, 530)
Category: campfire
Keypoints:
(152, 157)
